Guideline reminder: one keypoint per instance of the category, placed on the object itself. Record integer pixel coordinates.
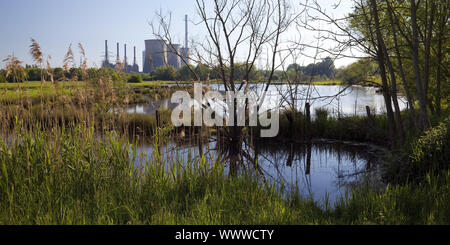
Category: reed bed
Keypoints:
(66, 158)
(75, 177)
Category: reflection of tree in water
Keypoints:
(292, 165)
(354, 165)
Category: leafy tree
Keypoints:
(33, 73)
(58, 73)
(2, 76)
(146, 77)
(321, 69)
(203, 71)
(185, 74)
(358, 71)
(168, 73)
(135, 78)
(14, 70)
(241, 71)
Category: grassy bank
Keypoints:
(74, 177)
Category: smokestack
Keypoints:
(118, 56)
(106, 52)
(125, 57)
(186, 28)
(134, 59)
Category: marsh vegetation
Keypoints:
(97, 146)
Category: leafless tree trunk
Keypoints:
(237, 31)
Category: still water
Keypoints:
(320, 171)
(337, 100)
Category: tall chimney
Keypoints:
(118, 56)
(186, 28)
(106, 52)
(125, 58)
(134, 60)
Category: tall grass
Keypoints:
(75, 177)
(65, 158)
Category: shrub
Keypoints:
(168, 73)
(135, 78)
(2, 77)
(430, 151)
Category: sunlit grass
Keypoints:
(75, 177)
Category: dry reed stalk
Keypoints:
(84, 60)
(68, 59)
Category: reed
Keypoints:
(75, 177)
(69, 156)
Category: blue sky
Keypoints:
(57, 23)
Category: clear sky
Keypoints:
(57, 23)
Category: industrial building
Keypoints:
(157, 53)
(127, 68)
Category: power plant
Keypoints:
(126, 67)
(157, 53)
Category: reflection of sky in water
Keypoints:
(332, 169)
(351, 101)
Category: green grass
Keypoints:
(74, 177)
(328, 82)
(37, 85)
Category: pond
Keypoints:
(319, 170)
(337, 100)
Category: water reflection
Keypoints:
(317, 169)
(338, 100)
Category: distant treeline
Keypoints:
(321, 71)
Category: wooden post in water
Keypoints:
(309, 138)
(308, 121)
(369, 116)
(308, 158)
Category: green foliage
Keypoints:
(203, 71)
(168, 73)
(34, 73)
(135, 78)
(185, 73)
(58, 73)
(241, 70)
(14, 71)
(2, 76)
(352, 128)
(357, 72)
(431, 151)
(76, 177)
(325, 68)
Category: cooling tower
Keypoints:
(185, 54)
(173, 55)
(155, 54)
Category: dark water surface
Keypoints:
(318, 170)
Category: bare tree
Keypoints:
(236, 32)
